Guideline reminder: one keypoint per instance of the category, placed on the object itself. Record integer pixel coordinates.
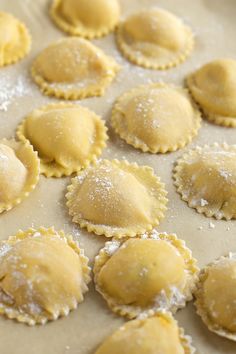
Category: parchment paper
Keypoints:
(213, 22)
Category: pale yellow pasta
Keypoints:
(67, 137)
(145, 274)
(19, 172)
(216, 294)
(156, 117)
(89, 19)
(206, 178)
(213, 86)
(100, 198)
(154, 38)
(73, 68)
(15, 40)
(43, 275)
(152, 335)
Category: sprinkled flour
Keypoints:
(176, 299)
(211, 225)
(10, 90)
(111, 247)
(4, 249)
(203, 202)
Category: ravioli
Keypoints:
(206, 178)
(73, 68)
(216, 295)
(15, 40)
(19, 172)
(152, 335)
(149, 273)
(68, 137)
(213, 86)
(155, 39)
(43, 275)
(101, 199)
(89, 19)
(156, 117)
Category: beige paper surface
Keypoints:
(213, 22)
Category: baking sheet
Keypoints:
(214, 25)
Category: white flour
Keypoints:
(10, 90)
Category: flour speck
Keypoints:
(10, 90)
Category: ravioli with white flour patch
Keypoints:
(68, 137)
(216, 296)
(19, 172)
(145, 274)
(206, 179)
(43, 275)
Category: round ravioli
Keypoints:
(19, 172)
(154, 38)
(43, 275)
(159, 334)
(67, 137)
(216, 296)
(116, 198)
(86, 18)
(148, 273)
(15, 40)
(206, 178)
(156, 117)
(73, 68)
(213, 86)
